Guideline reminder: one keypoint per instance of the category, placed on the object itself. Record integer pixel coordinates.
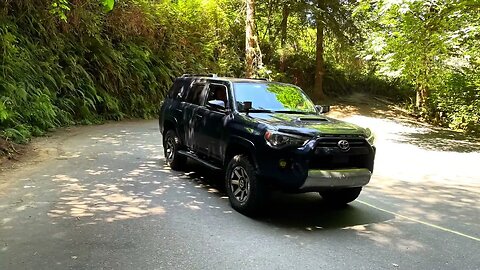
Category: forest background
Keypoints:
(65, 62)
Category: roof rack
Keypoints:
(200, 75)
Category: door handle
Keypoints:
(198, 115)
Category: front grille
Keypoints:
(328, 155)
(333, 141)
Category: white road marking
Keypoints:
(421, 222)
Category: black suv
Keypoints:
(264, 135)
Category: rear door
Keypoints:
(175, 104)
(191, 118)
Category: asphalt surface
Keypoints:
(105, 200)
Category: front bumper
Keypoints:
(321, 179)
(318, 165)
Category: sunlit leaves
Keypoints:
(108, 4)
(3, 111)
(431, 45)
(59, 8)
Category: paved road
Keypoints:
(108, 202)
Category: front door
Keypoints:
(212, 129)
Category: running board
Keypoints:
(196, 158)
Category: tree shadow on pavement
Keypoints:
(362, 104)
(308, 211)
(302, 211)
(438, 139)
(414, 132)
(431, 202)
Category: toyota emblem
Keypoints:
(343, 145)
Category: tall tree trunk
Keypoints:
(318, 94)
(421, 97)
(422, 90)
(250, 39)
(283, 41)
(418, 100)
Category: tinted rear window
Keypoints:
(195, 95)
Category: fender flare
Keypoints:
(245, 143)
(173, 121)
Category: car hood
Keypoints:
(307, 124)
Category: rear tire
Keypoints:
(246, 192)
(171, 145)
(340, 196)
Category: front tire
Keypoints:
(171, 145)
(340, 196)
(246, 192)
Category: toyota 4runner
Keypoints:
(264, 135)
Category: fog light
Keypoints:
(282, 163)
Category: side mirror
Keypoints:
(322, 108)
(247, 105)
(216, 104)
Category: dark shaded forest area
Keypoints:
(66, 62)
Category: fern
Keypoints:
(84, 66)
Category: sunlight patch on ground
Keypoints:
(420, 157)
(387, 235)
(104, 202)
(421, 221)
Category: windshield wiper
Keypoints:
(259, 111)
(295, 112)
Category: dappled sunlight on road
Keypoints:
(387, 234)
(103, 202)
(309, 212)
(97, 190)
(441, 159)
(106, 193)
(207, 185)
(419, 135)
(120, 180)
(151, 189)
(430, 202)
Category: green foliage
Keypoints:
(59, 8)
(424, 54)
(108, 4)
(64, 62)
(84, 66)
(457, 103)
(431, 46)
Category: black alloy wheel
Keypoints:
(171, 145)
(246, 191)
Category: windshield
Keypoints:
(272, 97)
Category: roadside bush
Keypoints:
(456, 102)
(69, 62)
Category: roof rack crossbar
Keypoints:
(213, 75)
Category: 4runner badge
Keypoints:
(343, 145)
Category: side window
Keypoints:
(195, 96)
(218, 92)
(177, 88)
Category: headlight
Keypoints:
(279, 139)
(369, 136)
